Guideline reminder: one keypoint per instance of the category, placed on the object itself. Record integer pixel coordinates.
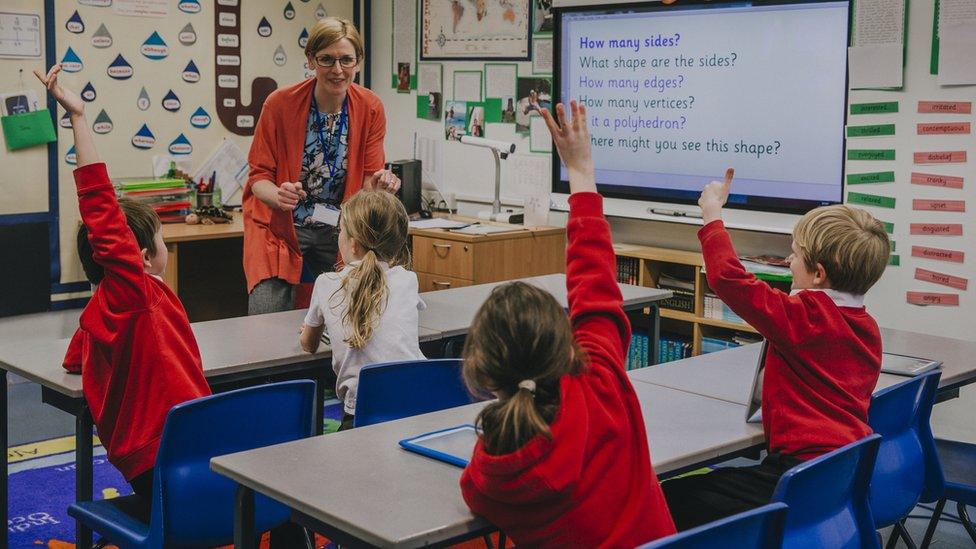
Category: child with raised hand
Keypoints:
(563, 459)
(134, 348)
(369, 309)
(824, 354)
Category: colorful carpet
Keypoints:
(42, 485)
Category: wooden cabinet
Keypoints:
(445, 259)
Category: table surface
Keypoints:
(728, 375)
(242, 344)
(333, 478)
(228, 346)
(451, 311)
(690, 419)
(181, 232)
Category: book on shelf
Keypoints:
(637, 355)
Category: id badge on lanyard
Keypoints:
(326, 213)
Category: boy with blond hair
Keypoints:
(824, 353)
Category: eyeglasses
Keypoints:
(327, 61)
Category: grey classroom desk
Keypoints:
(233, 350)
(358, 487)
(451, 311)
(727, 375)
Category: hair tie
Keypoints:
(528, 385)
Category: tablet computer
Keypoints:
(454, 445)
(903, 365)
(754, 407)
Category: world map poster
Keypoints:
(474, 29)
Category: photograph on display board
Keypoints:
(403, 77)
(434, 105)
(476, 124)
(455, 120)
(508, 110)
(542, 15)
(534, 94)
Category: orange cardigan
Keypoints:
(270, 244)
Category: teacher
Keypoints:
(316, 144)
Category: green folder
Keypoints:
(28, 129)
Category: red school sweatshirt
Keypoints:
(134, 347)
(592, 484)
(823, 359)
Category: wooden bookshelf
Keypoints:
(652, 263)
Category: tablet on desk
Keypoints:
(906, 365)
(454, 445)
(754, 408)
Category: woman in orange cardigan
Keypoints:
(317, 143)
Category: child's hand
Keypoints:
(65, 97)
(289, 194)
(572, 140)
(714, 196)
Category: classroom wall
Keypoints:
(467, 176)
(24, 173)
(26, 190)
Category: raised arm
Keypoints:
(69, 100)
(595, 304)
(114, 246)
(771, 312)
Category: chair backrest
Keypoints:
(907, 463)
(760, 528)
(394, 390)
(193, 506)
(828, 499)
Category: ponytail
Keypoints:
(508, 424)
(367, 298)
(519, 347)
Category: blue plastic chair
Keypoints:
(958, 460)
(760, 528)
(828, 499)
(192, 506)
(395, 390)
(907, 465)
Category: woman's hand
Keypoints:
(289, 194)
(65, 97)
(382, 180)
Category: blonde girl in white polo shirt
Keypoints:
(370, 307)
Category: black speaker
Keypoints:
(410, 181)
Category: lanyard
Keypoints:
(344, 113)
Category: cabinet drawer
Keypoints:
(432, 282)
(443, 257)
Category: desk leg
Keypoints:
(320, 384)
(171, 275)
(4, 510)
(83, 469)
(654, 335)
(244, 537)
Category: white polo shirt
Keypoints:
(395, 335)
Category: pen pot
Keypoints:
(205, 199)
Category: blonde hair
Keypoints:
(329, 30)
(520, 333)
(850, 244)
(377, 222)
